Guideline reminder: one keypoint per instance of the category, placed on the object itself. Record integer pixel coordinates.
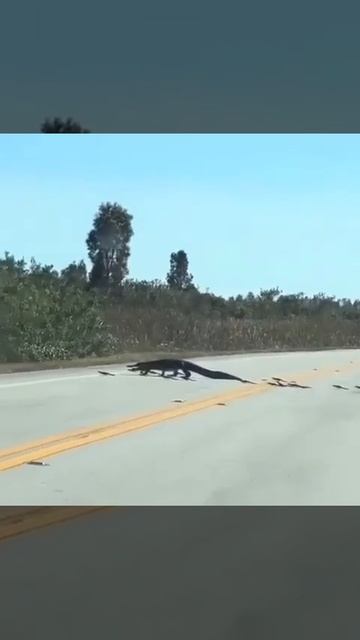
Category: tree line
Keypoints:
(46, 314)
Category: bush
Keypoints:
(47, 316)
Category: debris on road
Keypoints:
(39, 463)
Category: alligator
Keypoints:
(187, 367)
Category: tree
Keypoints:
(57, 125)
(178, 276)
(108, 244)
(75, 273)
(43, 272)
(266, 301)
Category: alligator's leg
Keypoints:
(187, 374)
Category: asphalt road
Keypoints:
(279, 446)
(186, 573)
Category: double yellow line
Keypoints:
(54, 445)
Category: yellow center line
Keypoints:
(28, 519)
(56, 444)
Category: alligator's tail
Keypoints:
(221, 375)
(216, 375)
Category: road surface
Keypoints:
(154, 441)
(186, 573)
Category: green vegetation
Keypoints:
(47, 315)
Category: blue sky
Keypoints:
(251, 211)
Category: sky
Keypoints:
(251, 211)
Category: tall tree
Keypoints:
(57, 125)
(108, 244)
(178, 276)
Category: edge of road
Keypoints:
(56, 365)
